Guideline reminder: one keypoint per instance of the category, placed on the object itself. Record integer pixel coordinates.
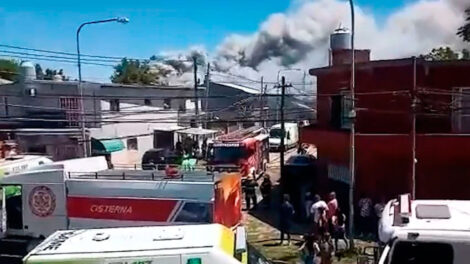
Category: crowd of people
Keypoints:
(327, 221)
(327, 224)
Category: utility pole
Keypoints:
(208, 81)
(283, 125)
(261, 101)
(352, 116)
(196, 100)
(414, 104)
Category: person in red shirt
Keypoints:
(332, 209)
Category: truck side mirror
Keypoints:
(288, 135)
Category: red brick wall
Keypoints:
(384, 168)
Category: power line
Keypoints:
(63, 53)
(57, 57)
(54, 60)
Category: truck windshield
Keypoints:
(228, 154)
(405, 252)
(275, 133)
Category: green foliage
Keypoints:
(39, 72)
(465, 54)
(9, 69)
(464, 31)
(133, 72)
(441, 54)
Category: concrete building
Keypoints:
(38, 113)
(241, 104)
(126, 135)
(390, 95)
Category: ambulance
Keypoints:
(425, 231)
(185, 244)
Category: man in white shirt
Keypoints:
(317, 204)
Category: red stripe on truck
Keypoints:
(121, 208)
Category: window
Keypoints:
(422, 253)
(194, 212)
(341, 106)
(72, 107)
(31, 92)
(147, 102)
(132, 144)
(167, 103)
(461, 110)
(114, 105)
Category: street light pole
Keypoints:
(352, 115)
(122, 20)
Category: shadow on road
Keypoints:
(271, 215)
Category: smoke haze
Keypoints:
(299, 38)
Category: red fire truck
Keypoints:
(245, 150)
(83, 193)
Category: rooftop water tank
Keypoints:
(340, 39)
(27, 71)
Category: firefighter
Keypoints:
(250, 193)
(265, 188)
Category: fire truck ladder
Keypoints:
(242, 134)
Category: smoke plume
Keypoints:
(299, 38)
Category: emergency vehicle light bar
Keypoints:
(405, 205)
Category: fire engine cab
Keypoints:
(425, 231)
(83, 193)
(245, 150)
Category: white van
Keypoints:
(291, 137)
(425, 231)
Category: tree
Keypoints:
(39, 72)
(441, 54)
(9, 69)
(465, 54)
(133, 72)
(464, 31)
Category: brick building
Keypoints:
(389, 94)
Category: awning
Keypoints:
(106, 146)
(197, 131)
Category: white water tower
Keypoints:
(27, 71)
(340, 39)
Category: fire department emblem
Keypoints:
(42, 201)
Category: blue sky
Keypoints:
(155, 25)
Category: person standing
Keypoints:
(332, 208)
(326, 249)
(204, 149)
(317, 211)
(286, 214)
(309, 249)
(339, 228)
(266, 188)
(250, 193)
(365, 214)
(378, 210)
(308, 205)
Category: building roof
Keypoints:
(239, 87)
(158, 87)
(197, 131)
(387, 63)
(5, 81)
